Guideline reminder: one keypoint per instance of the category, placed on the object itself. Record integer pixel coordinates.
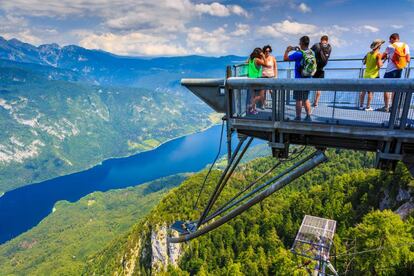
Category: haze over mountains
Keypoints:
(64, 109)
(104, 68)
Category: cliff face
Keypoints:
(162, 252)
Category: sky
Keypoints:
(203, 27)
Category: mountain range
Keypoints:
(103, 68)
(64, 109)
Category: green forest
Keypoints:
(56, 127)
(63, 241)
(368, 241)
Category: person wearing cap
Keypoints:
(373, 63)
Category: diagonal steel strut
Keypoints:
(317, 159)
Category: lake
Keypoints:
(25, 207)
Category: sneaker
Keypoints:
(308, 118)
(361, 108)
(384, 109)
(253, 112)
(314, 105)
(368, 108)
(298, 118)
(262, 107)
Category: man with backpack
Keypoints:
(322, 52)
(398, 56)
(305, 67)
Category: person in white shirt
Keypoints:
(398, 56)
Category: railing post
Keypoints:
(288, 76)
(228, 113)
(406, 108)
(282, 104)
(394, 109)
(334, 106)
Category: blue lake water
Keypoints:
(25, 207)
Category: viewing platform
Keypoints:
(336, 122)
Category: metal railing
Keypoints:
(286, 69)
(340, 104)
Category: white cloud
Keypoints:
(217, 9)
(133, 44)
(341, 28)
(237, 10)
(117, 8)
(17, 27)
(397, 26)
(204, 42)
(241, 30)
(287, 27)
(371, 28)
(304, 8)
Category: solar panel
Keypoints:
(314, 238)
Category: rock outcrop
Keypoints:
(405, 210)
(163, 253)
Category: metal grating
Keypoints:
(314, 238)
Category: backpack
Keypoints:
(322, 53)
(308, 64)
(400, 56)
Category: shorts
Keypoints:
(319, 75)
(396, 74)
(300, 95)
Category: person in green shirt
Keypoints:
(255, 62)
(373, 63)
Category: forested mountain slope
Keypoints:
(103, 68)
(62, 242)
(257, 242)
(64, 109)
(53, 127)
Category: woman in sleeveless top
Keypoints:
(269, 71)
(255, 63)
(373, 64)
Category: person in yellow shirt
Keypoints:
(373, 63)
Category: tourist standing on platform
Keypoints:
(305, 67)
(268, 71)
(373, 62)
(398, 56)
(254, 70)
(322, 52)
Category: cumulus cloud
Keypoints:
(304, 8)
(169, 16)
(118, 8)
(217, 9)
(371, 28)
(17, 27)
(341, 28)
(133, 44)
(287, 27)
(241, 30)
(205, 42)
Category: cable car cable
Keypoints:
(211, 167)
(258, 189)
(233, 157)
(258, 179)
(317, 159)
(224, 182)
